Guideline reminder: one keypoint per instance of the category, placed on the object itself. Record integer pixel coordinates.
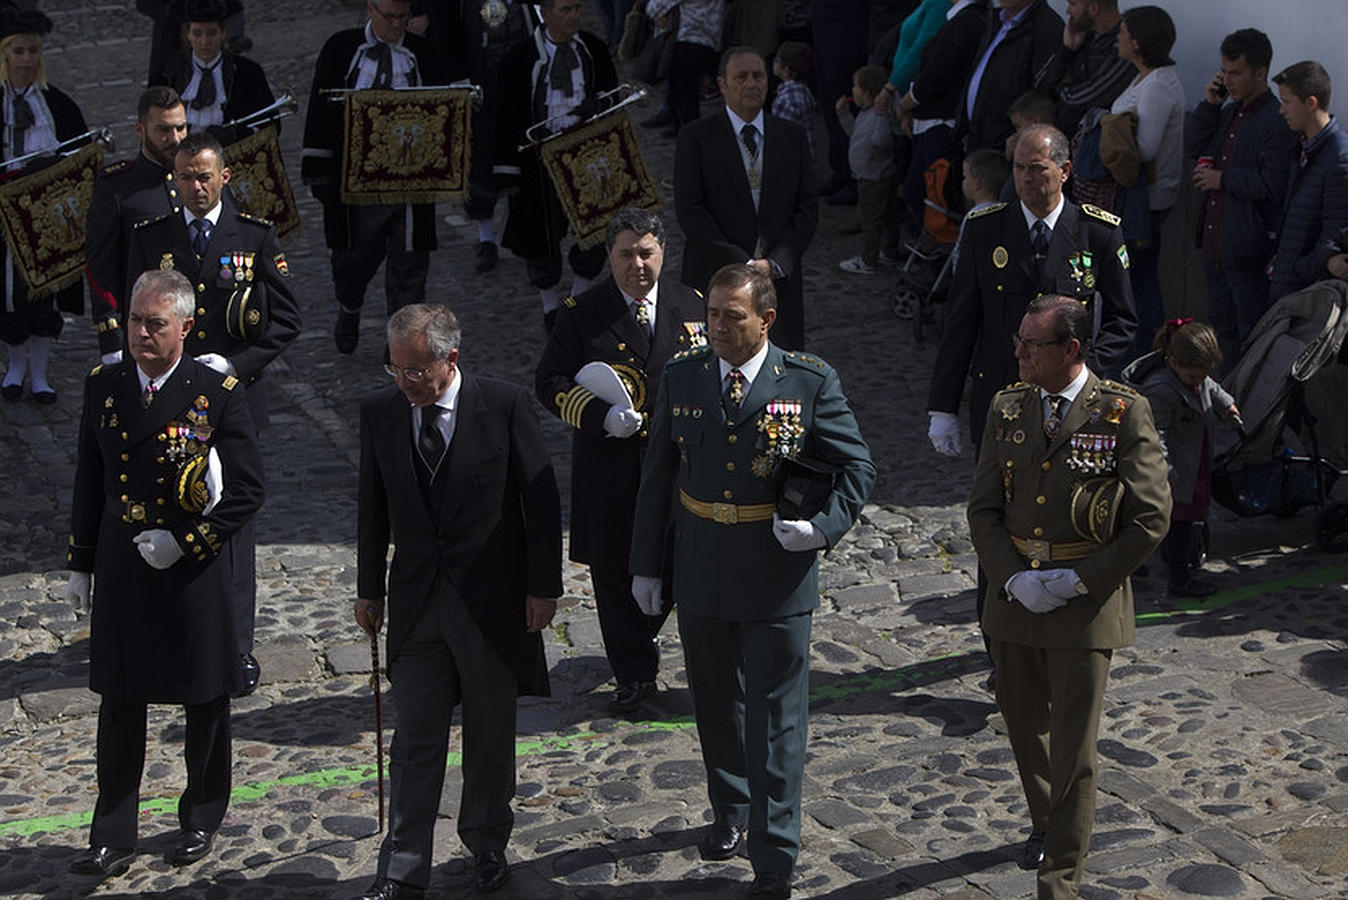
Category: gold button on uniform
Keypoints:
(1046, 465)
(730, 467)
(201, 288)
(729, 495)
(1041, 499)
(122, 478)
(126, 457)
(1034, 564)
(1038, 532)
(201, 335)
(201, 310)
(733, 438)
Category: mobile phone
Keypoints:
(1221, 89)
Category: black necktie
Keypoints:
(1039, 237)
(563, 63)
(201, 236)
(431, 442)
(23, 120)
(205, 97)
(382, 54)
(1057, 405)
(749, 134)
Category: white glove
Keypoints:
(1027, 587)
(78, 589)
(622, 421)
(1065, 584)
(797, 535)
(113, 358)
(218, 363)
(158, 547)
(944, 432)
(647, 591)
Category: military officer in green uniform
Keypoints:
(1069, 497)
(727, 421)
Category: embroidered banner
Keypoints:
(406, 146)
(258, 180)
(43, 216)
(598, 170)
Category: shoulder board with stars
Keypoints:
(1118, 387)
(229, 382)
(114, 168)
(144, 223)
(692, 352)
(1103, 215)
(986, 211)
(256, 220)
(569, 303)
(805, 361)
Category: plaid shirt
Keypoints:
(795, 103)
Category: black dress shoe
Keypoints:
(629, 696)
(45, 398)
(11, 392)
(104, 862)
(252, 673)
(487, 255)
(346, 334)
(1033, 854)
(771, 884)
(388, 889)
(191, 847)
(490, 871)
(721, 840)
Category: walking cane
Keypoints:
(378, 722)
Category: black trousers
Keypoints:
(121, 759)
(380, 233)
(690, 62)
(629, 634)
(447, 662)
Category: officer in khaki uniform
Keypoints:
(725, 422)
(633, 322)
(1069, 497)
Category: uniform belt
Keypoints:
(727, 513)
(1047, 551)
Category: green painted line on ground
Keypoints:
(928, 671)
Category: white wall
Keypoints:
(1298, 29)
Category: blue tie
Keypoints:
(201, 235)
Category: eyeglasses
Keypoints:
(412, 375)
(1032, 343)
(392, 18)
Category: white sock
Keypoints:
(486, 232)
(18, 364)
(39, 351)
(550, 299)
(579, 285)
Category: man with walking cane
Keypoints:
(453, 470)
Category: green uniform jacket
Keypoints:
(740, 572)
(1023, 488)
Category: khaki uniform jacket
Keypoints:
(1023, 488)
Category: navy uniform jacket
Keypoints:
(997, 278)
(496, 536)
(1023, 489)
(605, 471)
(740, 572)
(241, 244)
(161, 636)
(125, 193)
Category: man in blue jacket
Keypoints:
(1244, 150)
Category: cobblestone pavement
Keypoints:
(1224, 747)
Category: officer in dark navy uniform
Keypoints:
(633, 321)
(128, 192)
(245, 313)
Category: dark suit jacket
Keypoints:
(161, 636)
(165, 241)
(1009, 73)
(716, 211)
(988, 300)
(605, 471)
(498, 537)
(246, 89)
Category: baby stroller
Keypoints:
(925, 274)
(1290, 390)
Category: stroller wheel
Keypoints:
(905, 303)
(1331, 528)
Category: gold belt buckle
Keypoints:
(1040, 550)
(725, 513)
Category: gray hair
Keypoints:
(168, 283)
(433, 321)
(637, 221)
(1059, 150)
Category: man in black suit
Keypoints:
(634, 322)
(150, 517)
(1021, 36)
(453, 469)
(1003, 266)
(128, 192)
(361, 237)
(246, 313)
(744, 191)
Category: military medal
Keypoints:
(1000, 257)
(1011, 411)
(1088, 270)
(1117, 407)
(166, 261)
(696, 333)
(761, 466)
(780, 422)
(1019, 436)
(226, 273)
(248, 266)
(238, 266)
(494, 13)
